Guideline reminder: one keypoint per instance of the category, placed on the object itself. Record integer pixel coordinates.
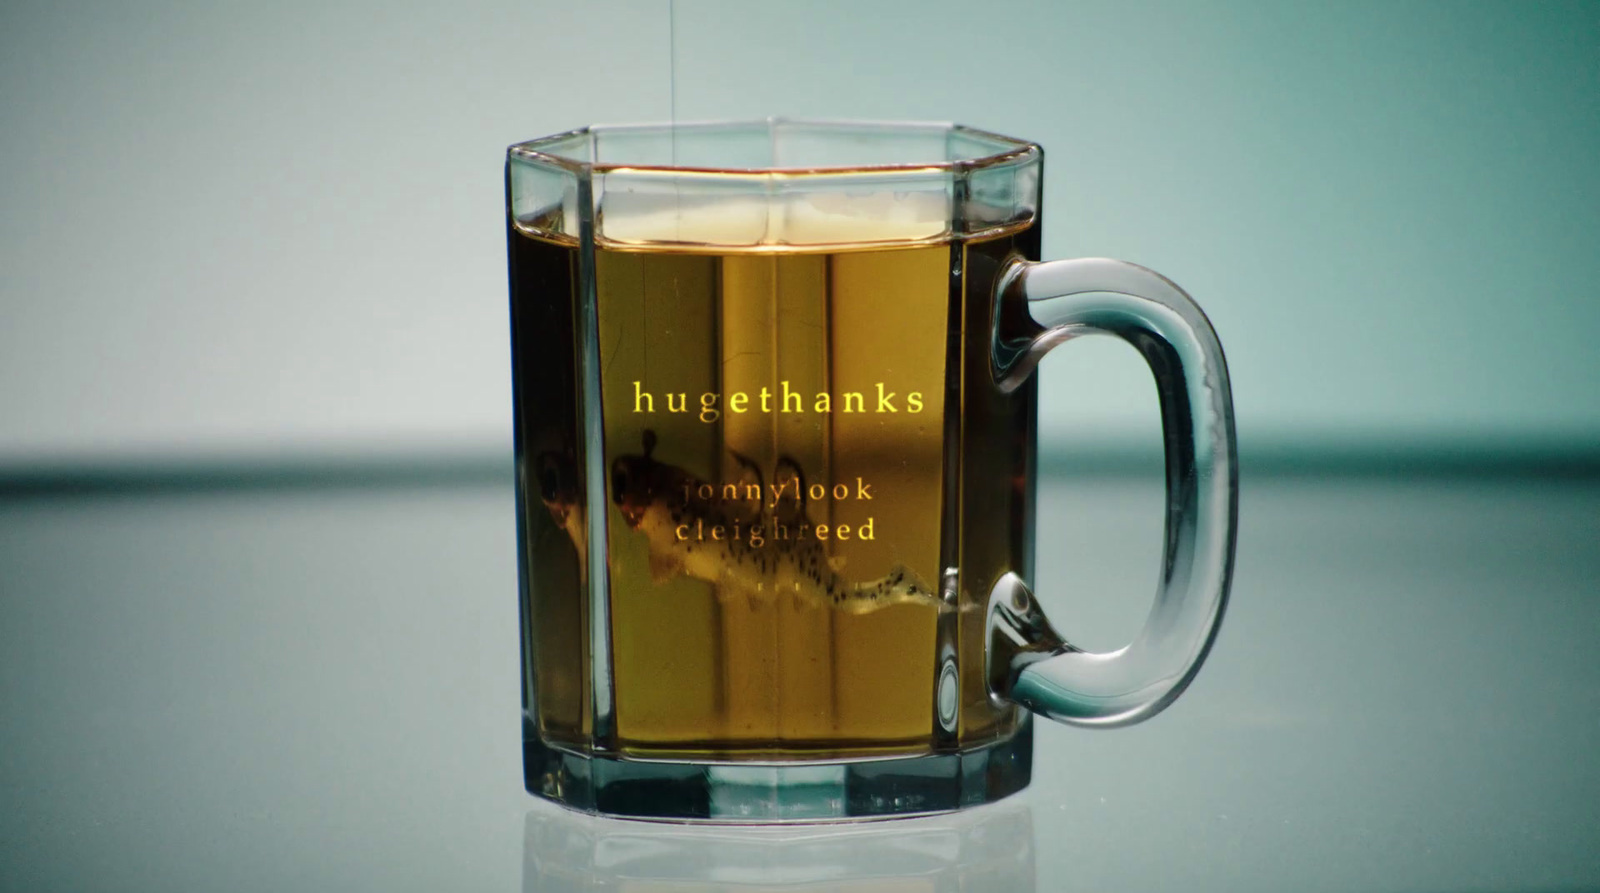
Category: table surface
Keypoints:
(315, 687)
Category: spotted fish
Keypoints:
(656, 501)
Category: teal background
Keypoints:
(276, 230)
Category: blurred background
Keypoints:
(273, 232)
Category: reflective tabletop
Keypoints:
(313, 684)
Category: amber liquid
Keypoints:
(864, 377)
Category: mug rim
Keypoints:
(1005, 149)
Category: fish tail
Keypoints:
(898, 587)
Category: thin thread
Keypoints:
(672, 74)
(672, 113)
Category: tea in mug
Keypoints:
(786, 429)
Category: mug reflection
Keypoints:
(988, 848)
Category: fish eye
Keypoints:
(619, 483)
(549, 483)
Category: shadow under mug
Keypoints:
(775, 438)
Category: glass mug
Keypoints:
(775, 450)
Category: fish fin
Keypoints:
(663, 567)
(745, 510)
(790, 510)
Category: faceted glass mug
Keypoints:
(775, 452)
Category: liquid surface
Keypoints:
(767, 223)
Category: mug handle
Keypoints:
(1041, 305)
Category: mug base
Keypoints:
(730, 792)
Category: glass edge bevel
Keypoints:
(1019, 151)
